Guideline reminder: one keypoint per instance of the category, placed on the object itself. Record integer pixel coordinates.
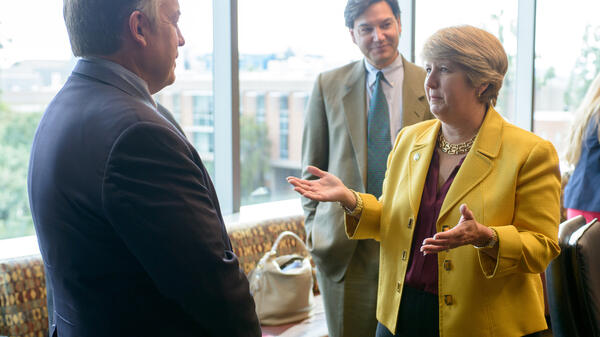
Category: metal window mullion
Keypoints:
(525, 72)
(407, 38)
(226, 93)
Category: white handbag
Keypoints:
(282, 285)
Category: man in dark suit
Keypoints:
(127, 218)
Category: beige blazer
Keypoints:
(335, 139)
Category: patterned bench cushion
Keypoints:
(23, 311)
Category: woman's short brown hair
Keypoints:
(478, 52)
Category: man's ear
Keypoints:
(399, 26)
(351, 30)
(139, 27)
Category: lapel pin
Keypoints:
(417, 156)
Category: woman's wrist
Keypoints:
(490, 241)
(349, 200)
(352, 203)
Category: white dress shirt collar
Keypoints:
(388, 72)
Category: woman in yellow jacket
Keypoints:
(469, 213)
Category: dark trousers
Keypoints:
(418, 315)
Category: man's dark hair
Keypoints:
(354, 8)
(95, 26)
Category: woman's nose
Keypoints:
(430, 81)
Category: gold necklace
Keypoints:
(460, 148)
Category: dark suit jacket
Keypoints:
(128, 221)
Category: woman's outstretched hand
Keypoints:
(467, 232)
(327, 188)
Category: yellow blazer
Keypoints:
(511, 181)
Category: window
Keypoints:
(204, 142)
(498, 18)
(288, 61)
(567, 60)
(283, 127)
(260, 109)
(202, 110)
(190, 98)
(176, 107)
(28, 81)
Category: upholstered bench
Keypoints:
(23, 310)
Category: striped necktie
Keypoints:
(378, 138)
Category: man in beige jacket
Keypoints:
(335, 139)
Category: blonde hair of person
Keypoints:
(588, 109)
(479, 53)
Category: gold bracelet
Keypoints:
(492, 242)
(359, 206)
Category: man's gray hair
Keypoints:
(95, 27)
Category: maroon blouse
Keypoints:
(422, 271)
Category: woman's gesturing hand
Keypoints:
(327, 188)
(467, 232)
